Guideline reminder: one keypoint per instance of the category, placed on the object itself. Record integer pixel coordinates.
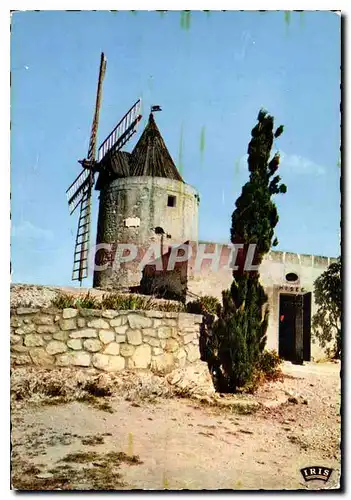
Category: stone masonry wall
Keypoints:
(106, 340)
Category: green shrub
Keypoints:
(207, 304)
(326, 322)
(126, 302)
(63, 300)
(269, 364)
(267, 369)
(138, 302)
(87, 301)
(116, 301)
(170, 307)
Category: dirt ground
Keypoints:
(183, 443)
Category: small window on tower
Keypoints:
(171, 201)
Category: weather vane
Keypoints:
(155, 108)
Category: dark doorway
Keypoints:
(287, 331)
(307, 326)
(295, 327)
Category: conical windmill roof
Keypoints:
(114, 166)
(150, 157)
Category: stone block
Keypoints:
(60, 335)
(47, 329)
(171, 315)
(64, 360)
(138, 321)
(69, 313)
(98, 323)
(90, 313)
(171, 322)
(121, 320)
(129, 364)
(40, 357)
(25, 329)
(154, 314)
(75, 344)
(33, 340)
(127, 350)
(80, 358)
(112, 349)
(134, 337)
(43, 319)
(121, 329)
(27, 310)
(92, 345)
(68, 324)
(186, 320)
(56, 347)
(116, 321)
(19, 348)
(163, 363)
(142, 356)
(108, 363)
(150, 332)
(197, 318)
(15, 339)
(193, 352)
(15, 322)
(175, 334)
(164, 332)
(109, 313)
(156, 351)
(191, 329)
(171, 345)
(180, 357)
(81, 334)
(81, 322)
(181, 362)
(106, 336)
(120, 338)
(21, 359)
(51, 310)
(188, 338)
(151, 341)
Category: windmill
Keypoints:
(79, 192)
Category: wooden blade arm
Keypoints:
(93, 136)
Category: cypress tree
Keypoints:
(239, 334)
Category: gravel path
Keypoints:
(183, 444)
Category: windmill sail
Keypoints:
(80, 191)
(76, 190)
(122, 132)
(80, 264)
(93, 136)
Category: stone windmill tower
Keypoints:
(143, 199)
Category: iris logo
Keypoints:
(316, 472)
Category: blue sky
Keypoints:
(211, 73)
